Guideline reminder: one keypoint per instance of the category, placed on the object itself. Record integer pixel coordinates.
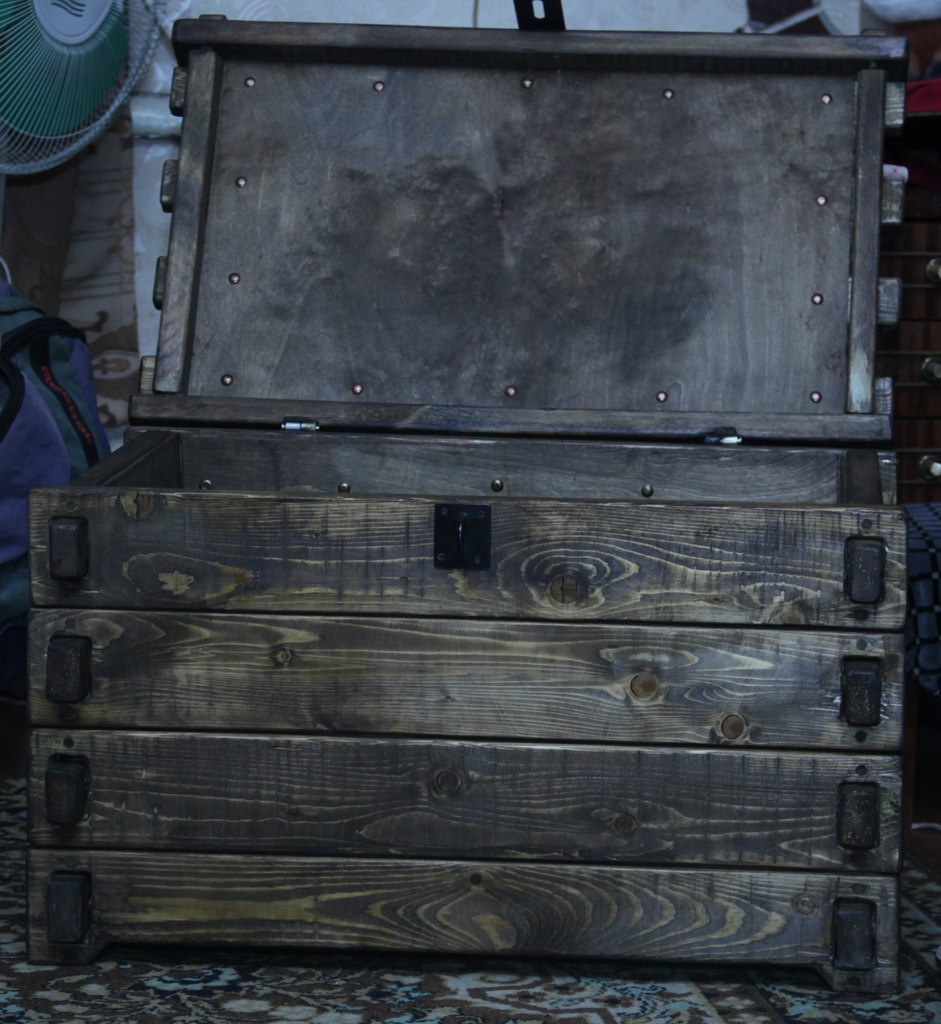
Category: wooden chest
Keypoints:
(503, 558)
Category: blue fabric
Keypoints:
(922, 639)
(49, 433)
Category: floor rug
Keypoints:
(200, 986)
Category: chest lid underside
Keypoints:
(605, 232)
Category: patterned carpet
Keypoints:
(193, 986)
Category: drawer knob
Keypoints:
(933, 270)
(930, 467)
(68, 906)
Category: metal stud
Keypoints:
(816, 299)
(234, 278)
(821, 200)
(227, 379)
(527, 83)
(250, 82)
(668, 94)
(357, 389)
(509, 391)
(826, 99)
(816, 397)
(378, 86)
(647, 491)
(343, 488)
(496, 485)
(662, 396)
(205, 485)
(240, 182)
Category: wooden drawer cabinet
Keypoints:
(505, 559)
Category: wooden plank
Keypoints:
(779, 917)
(911, 336)
(466, 678)
(618, 561)
(447, 798)
(150, 459)
(811, 55)
(870, 103)
(189, 220)
(326, 463)
(606, 304)
(169, 410)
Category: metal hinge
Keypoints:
(310, 425)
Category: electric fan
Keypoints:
(66, 66)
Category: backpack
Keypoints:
(49, 433)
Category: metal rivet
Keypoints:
(821, 200)
(205, 485)
(668, 94)
(496, 485)
(378, 86)
(440, 556)
(644, 685)
(733, 726)
(861, 645)
(509, 391)
(234, 278)
(68, 742)
(826, 99)
(227, 379)
(662, 396)
(866, 524)
(816, 397)
(862, 769)
(647, 491)
(357, 389)
(447, 780)
(816, 299)
(241, 182)
(527, 83)
(804, 903)
(343, 488)
(250, 82)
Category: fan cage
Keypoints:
(29, 152)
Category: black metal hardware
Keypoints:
(68, 548)
(858, 816)
(68, 906)
(66, 790)
(862, 691)
(462, 537)
(551, 18)
(68, 669)
(854, 935)
(865, 570)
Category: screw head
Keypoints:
(496, 485)
(250, 82)
(240, 182)
(527, 83)
(509, 391)
(816, 397)
(234, 278)
(821, 200)
(357, 389)
(826, 99)
(662, 396)
(644, 685)
(668, 94)
(227, 379)
(378, 86)
(647, 491)
(205, 485)
(816, 299)
(343, 488)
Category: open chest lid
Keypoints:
(586, 233)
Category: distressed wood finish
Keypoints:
(445, 798)
(780, 917)
(393, 464)
(551, 559)
(549, 681)
(171, 410)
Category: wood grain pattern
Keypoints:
(467, 678)
(521, 467)
(779, 917)
(146, 459)
(550, 559)
(172, 410)
(441, 798)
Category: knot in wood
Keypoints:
(283, 656)
(644, 685)
(804, 904)
(447, 780)
(568, 588)
(733, 726)
(624, 823)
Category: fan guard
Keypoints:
(66, 66)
